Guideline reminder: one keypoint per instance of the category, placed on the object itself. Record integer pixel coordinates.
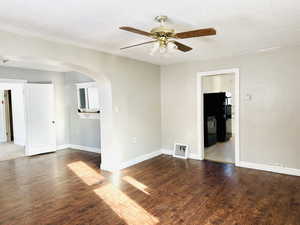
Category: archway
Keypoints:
(104, 84)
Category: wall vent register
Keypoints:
(180, 151)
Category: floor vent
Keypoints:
(180, 150)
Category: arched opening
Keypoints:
(102, 83)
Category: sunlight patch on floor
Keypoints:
(86, 173)
(124, 207)
(136, 184)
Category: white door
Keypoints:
(40, 122)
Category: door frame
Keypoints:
(13, 85)
(200, 107)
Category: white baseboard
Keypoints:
(38, 150)
(129, 163)
(108, 167)
(249, 165)
(269, 168)
(61, 147)
(85, 148)
(79, 147)
(140, 159)
(194, 156)
(166, 151)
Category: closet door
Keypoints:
(40, 118)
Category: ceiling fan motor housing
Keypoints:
(162, 32)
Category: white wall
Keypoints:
(83, 132)
(269, 123)
(18, 114)
(131, 86)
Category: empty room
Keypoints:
(149, 112)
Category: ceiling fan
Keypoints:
(164, 36)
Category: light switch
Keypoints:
(134, 140)
(248, 97)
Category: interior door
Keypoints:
(40, 122)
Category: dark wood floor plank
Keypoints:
(68, 188)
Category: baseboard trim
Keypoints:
(194, 156)
(269, 168)
(85, 148)
(61, 147)
(166, 151)
(38, 150)
(249, 165)
(140, 159)
(78, 147)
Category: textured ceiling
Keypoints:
(242, 26)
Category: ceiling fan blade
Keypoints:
(196, 33)
(182, 47)
(137, 31)
(131, 46)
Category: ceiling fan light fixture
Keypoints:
(171, 46)
(162, 50)
(155, 48)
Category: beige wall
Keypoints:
(130, 97)
(78, 127)
(269, 123)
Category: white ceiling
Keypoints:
(243, 26)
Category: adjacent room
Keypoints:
(218, 108)
(149, 112)
(46, 109)
(12, 120)
(219, 117)
(11, 113)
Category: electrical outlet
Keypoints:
(278, 164)
(248, 97)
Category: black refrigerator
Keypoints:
(217, 112)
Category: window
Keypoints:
(88, 98)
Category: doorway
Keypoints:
(8, 116)
(218, 115)
(8, 148)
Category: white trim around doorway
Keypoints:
(200, 120)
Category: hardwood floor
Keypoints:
(67, 188)
(10, 150)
